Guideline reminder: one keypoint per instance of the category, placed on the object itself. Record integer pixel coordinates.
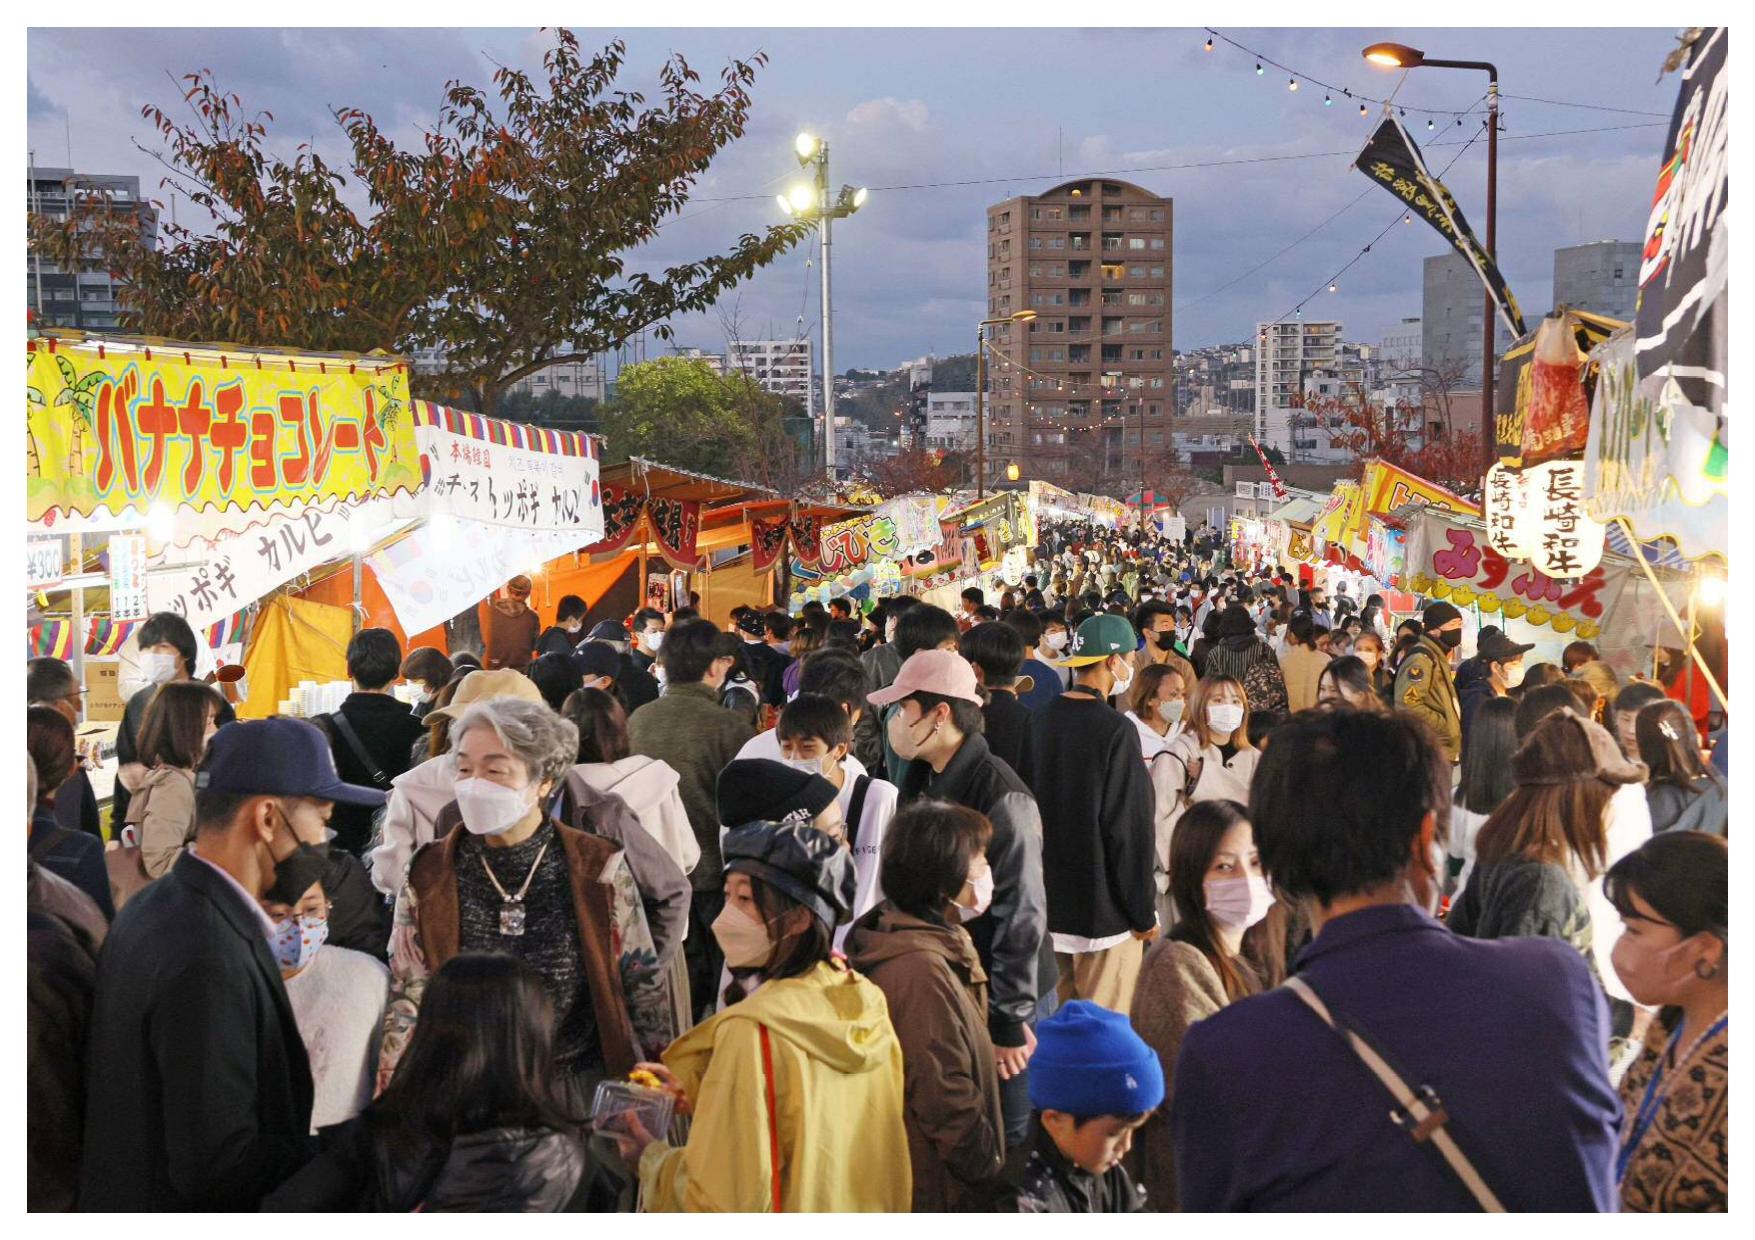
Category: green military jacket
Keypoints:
(1424, 688)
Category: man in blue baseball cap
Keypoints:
(199, 1096)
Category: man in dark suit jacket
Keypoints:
(199, 1091)
(1273, 1109)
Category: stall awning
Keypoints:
(1300, 511)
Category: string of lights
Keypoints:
(1297, 77)
(1364, 194)
(1332, 284)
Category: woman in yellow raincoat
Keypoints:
(795, 1089)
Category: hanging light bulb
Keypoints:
(1361, 109)
(1428, 124)
(1258, 69)
(1334, 288)
(1408, 218)
(1327, 102)
(1209, 45)
(1291, 83)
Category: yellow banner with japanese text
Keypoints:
(116, 429)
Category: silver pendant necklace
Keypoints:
(512, 906)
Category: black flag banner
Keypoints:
(1393, 161)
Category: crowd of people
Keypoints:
(1156, 883)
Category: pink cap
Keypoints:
(944, 672)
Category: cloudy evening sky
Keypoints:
(905, 108)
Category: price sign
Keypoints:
(43, 562)
(127, 576)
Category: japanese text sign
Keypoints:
(519, 486)
(1453, 562)
(128, 576)
(117, 428)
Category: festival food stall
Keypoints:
(168, 476)
(866, 556)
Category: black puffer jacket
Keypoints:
(496, 1171)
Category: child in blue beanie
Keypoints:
(1093, 1081)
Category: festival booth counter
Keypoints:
(872, 555)
(668, 531)
(985, 544)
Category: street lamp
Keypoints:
(812, 203)
(1401, 56)
(1022, 316)
(1011, 475)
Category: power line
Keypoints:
(1191, 165)
(1329, 284)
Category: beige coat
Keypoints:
(1302, 667)
(162, 813)
(1178, 986)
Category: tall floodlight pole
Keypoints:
(813, 203)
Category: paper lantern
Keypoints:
(1509, 512)
(1564, 541)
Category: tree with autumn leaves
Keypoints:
(1393, 431)
(502, 237)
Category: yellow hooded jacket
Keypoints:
(837, 1104)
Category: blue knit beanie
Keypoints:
(1090, 1062)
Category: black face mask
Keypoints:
(294, 875)
(1166, 641)
(1450, 639)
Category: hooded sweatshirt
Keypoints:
(649, 787)
(411, 819)
(937, 993)
(831, 1139)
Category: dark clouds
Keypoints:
(902, 107)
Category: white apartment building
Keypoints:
(784, 367)
(1286, 353)
(715, 361)
(574, 374)
(950, 421)
(1399, 350)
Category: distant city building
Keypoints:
(1601, 277)
(783, 367)
(1400, 348)
(1286, 354)
(1075, 390)
(1452, 303)
(1228, 371)
(86, 299)
(715, 361)
(573, 375)
(950, 421)
(429, 361)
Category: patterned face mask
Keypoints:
(297, 939)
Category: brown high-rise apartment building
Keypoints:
(1081, 396)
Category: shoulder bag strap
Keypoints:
(773, 1117)
(1422, 1114)
(856, 808)
(344, 729)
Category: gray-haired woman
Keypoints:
(510, 879)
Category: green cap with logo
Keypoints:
(1097, 638)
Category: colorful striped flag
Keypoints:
(105, 637)
(52, 639)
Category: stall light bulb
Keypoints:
(1712, 591)
(161, 522)
(1258, 69)
(1291, 83)
(1209, 45)
(1361, 109)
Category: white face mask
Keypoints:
(654, 640)
(1224, 717)
(983, 888)
(489, 808)
(1055, 641)
(1238, 903)
(1171, 711)
(810, 766)
(1122, 686)
(159, 668)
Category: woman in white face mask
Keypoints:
(1219, 891)
(509, 878)
(914, 948)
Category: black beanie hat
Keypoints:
(762, 790)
